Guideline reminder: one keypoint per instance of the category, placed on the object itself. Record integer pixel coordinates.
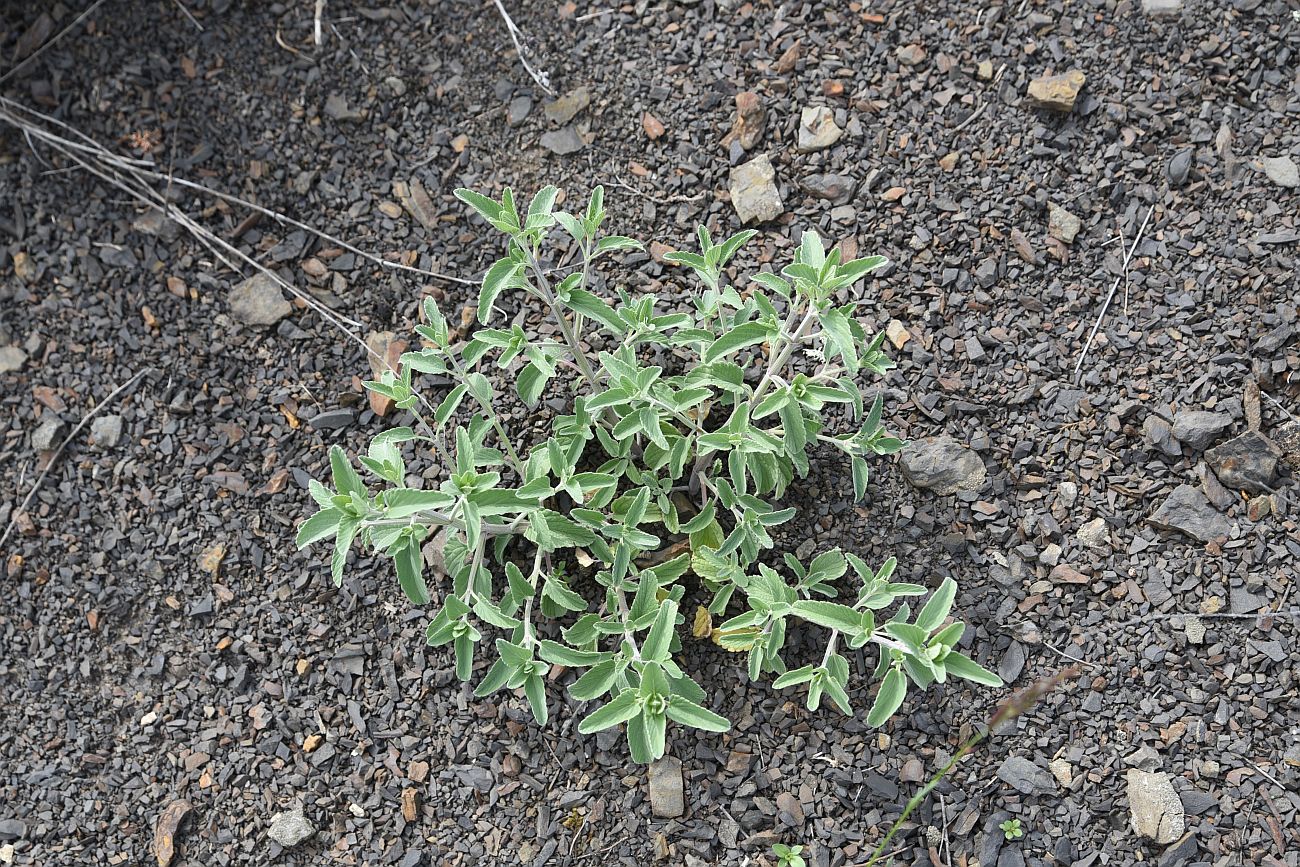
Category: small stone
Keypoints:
(12, 829)
(1061, 769)
(48, 434)
(1200, 429)
(751, 120)
(897, 334)
(105, 431)
(910, 55)
(24, 268)
(258, 302)
(290, 827)
(753, 189)
(817, 129)
(943, 465)
(1024, 249)
(565, 108)
(1179, 167)
(834, 188)
(1162, 8)
(1180, 853)
(1161, 435)
(336, 107)
(1187, 511)
(1094, 534)
(1025, 777)
(333, 419)
(11, 358)
(652, 127)
(1057, 92)
(1156, 812)
(563, 141)
(1144, 758)
(984, 71)
(789, 805)
(1248, 462)
(1281, 171)
(1066, 574)
(1061, 224)
(1194, 629)
(519, 109)
(667, 792)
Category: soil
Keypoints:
(163, 640)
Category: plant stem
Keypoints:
(782, 355)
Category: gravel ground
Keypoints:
(163, 642)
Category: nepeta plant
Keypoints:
(575, 551)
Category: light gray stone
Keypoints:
(1025, 777)
(753, 191)
(258, 302)
(817, 129)
(943, 465)
(290, 827)
(1187, 511)
(1061, 224)
(1155, 810)
(1281, 171)
(667, 790)
(105, 431)
(11, 358)
(48, 434)
(1162, 8)
(563, 142)
(1094, 534)
(1200, 429)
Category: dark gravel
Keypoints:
(162, 640)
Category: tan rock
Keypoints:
(1057, 92)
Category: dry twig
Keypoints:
(1111, 294)
(54, 458)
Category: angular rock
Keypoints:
(753, 191)
(1160, 435)
(1025, 777)
(1061, 224)
(1061, 769)
(332, 419)
(1200, 429)
(48, 434)
(1281, 171)
(1287, 439)
(837, 189)
(105, 431)
(943, 465)
(817, 129)
(1094, 534)
(751, 120)
(563, 141)
(290, 827)
(11, 358)
(336, 107)
(667, 791)
(1187, 511)
(1162, 8)
(1194, 629)
(565, 108)
(519, 109)
(1155, 810)
(1246, 463)
(258, 302)
(1057, 92)
(1179, 853)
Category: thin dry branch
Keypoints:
(1101, 314)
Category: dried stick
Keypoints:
(1111, 294)
(22, 508)
(538, 76)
